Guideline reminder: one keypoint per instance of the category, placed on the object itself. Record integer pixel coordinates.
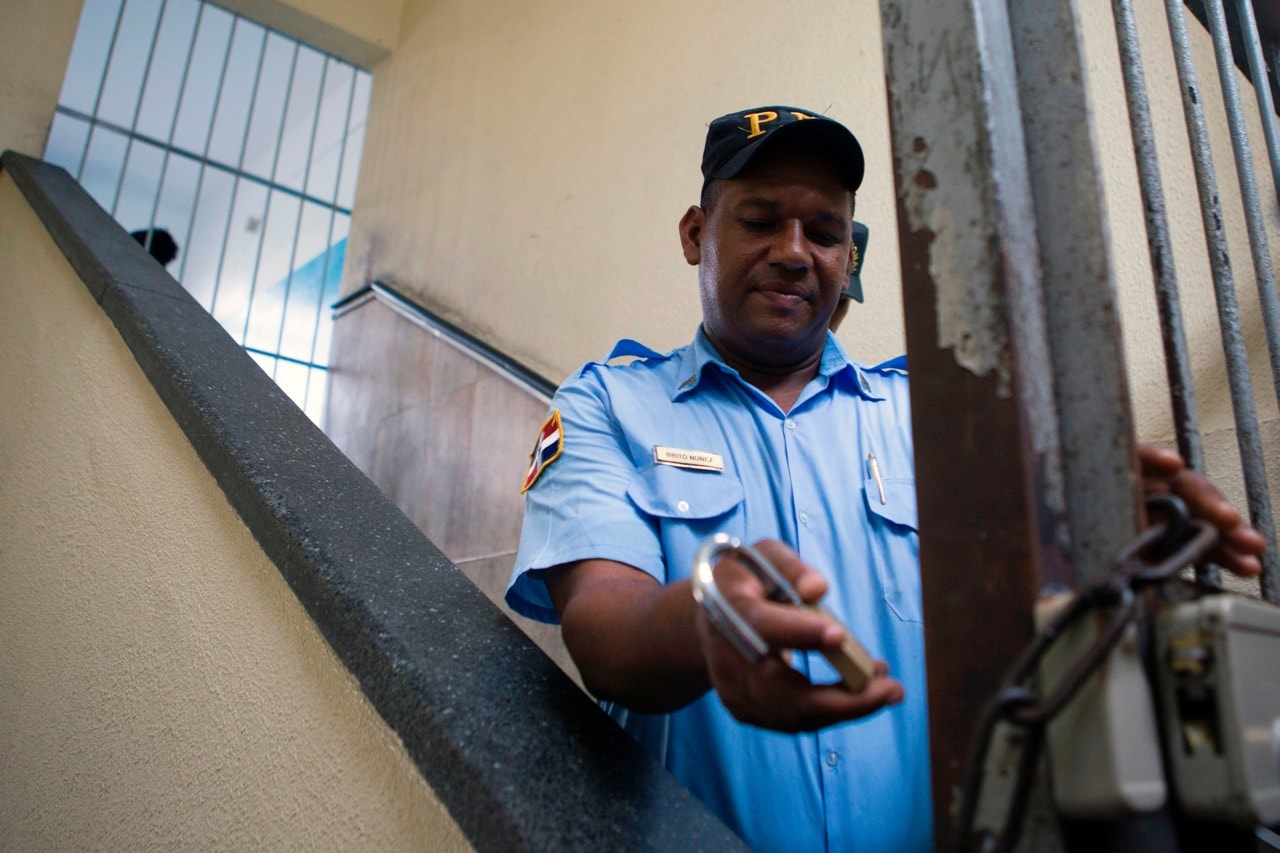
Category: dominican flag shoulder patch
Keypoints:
(546, 450)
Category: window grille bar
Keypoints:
(102, 86)
(1261, 86)
(297, 222)
(328, 243)
(235, 189)
(1247, 433)
(203, 158)
(266, 213)
(224, 79)
(137, 108)
(298, 361)
(173, 126)
(1160, 247)
(1258, 243)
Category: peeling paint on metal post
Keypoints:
(982, 396)
(1095, 427)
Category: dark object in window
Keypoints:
(162, 245)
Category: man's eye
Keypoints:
(823, 238)
(757, 224)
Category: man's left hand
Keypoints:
(1239, 545)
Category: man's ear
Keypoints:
(691, 234)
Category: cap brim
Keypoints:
(840, 145)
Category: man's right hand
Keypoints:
(651, 648)
(770, 693)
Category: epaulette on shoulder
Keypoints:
(893, 365)
(625, 352)
(630, 350)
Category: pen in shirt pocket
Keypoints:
(874, 466)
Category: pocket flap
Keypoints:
(899, 504)
(671, 492)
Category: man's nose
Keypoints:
(790, 247)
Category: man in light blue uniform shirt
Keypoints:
(761, 428)
(803, 478)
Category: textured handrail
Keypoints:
(520, 757)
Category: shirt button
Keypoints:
(804, 518)
(683, 506)
(791, 424)
(833, 758)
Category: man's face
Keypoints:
(772, 257)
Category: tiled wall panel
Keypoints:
(446, 439)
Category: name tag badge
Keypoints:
(698, 460)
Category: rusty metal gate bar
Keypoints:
(1091, 389)
(1019, 396)
(1259, 248)
(1262, 87)
(985, 418)
(1160, 248)
(1248, 435)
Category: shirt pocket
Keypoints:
(687, 507)
(891, 504)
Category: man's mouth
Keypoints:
(781, 293)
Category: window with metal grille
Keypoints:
(240, 142)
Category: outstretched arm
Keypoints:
(650, 648)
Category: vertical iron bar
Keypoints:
(1253, 216)
(266, 214)
(983, 420)
(1262, 87)
(297, 224)
(235, 189)
(328, 245)
(208, 142)
(137, 109)
(173, 125)
(1160, 247)
(1091, 389)
(102, 86)
(1247, 434)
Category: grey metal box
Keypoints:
(1218, 678)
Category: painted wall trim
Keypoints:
(522, 759)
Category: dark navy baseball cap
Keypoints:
(734, 140)
(857, 256)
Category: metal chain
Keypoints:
(1174, 542)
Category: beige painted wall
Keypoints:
(35, 42)
(526, 163)
(160, 685)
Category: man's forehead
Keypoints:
(776, 184)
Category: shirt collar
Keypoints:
(835, 366)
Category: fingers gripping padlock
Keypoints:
(850, 660)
